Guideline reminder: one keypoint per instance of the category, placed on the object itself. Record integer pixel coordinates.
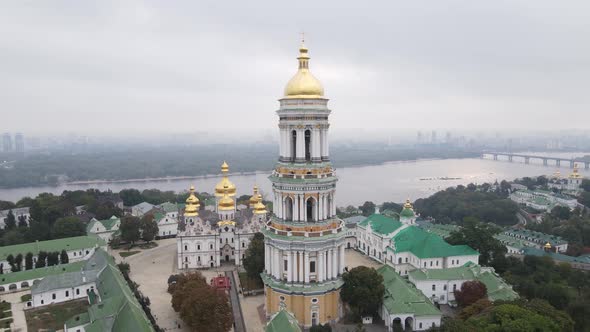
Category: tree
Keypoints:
(561, 212)
(18, 262)
(479, 236)
(129, 228)
(130, 197)
(6, 205)
(363, 291)
(22, 221)
(391, 206)
(67, 227)
(10, 222)
(63, 257)
(470, 292)
(200, 306)
(254, 257)
(41, 259)
(52, 258)
(585, 185)
(367, 209)
(149, 228)
(321, 328)
(10, 260)
(29, 261)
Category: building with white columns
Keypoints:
(304, 240)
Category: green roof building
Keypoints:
(440, 284)
(405, 305)
(282, 321)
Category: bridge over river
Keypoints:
(546, 160)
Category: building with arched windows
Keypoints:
(210, 238)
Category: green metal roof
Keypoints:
(427, 245)
(381, 224)
(282, 321)
(464, 272)
(169, 207)
(442, 230)
(39, 273)
(70, 243)
(401, 297)
(107, 223)
(409, 213)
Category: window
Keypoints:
(53, 296)
(430, 263)
(185, 247)
(211, 246)
(67, 293)
(454, 287)
(221, 241)
(211, 257)
(406, 259)
(312, 267)
(424, 264)
(436, 263)
(444, 287)
(282, 298)
(420, 325)
(314, 300)
(199, 258)
(77, 291)
(286, 265)
(42, 302)
(433, 287)
(198, 247)
(186, 259)
(243, 245)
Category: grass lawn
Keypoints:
(249, 283)
(128, 253)
(55, 315)
(4, 306)
(5, 323)
(25, 298)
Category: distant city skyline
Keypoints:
(143, 67)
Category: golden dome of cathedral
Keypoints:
(259, 207)
(226, 203)
(225, 182)
(254, 199)
(304, 84)
(192, 204)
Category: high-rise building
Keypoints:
(304, 239)
(6, 142)
(19, 142)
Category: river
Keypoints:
(394, 181)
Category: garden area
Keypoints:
(250, 284)
(5, 315)
(54, 316)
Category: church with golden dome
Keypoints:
(210, 238)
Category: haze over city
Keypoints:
(146, 67)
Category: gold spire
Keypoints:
(408, 205)
(226, 203)
(225, 182)
(304, 84)
(547, 245)
(259, 207)
(575, 174)
(254, 199)
(192, 204)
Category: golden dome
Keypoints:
(407, 204)
(192, 204)
(254, 199)
(225, 182)
(304, 84)
(575, 174)
(226, 203)
(259, 207)
(547, 245)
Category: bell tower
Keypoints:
(304, 240)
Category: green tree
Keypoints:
(470, 292)
(6, 205)
(10, 260)
(321, 328)
(200, 306)
(479, 236)
(363, 291)
(18, 262)
(391, 206)
(29, 261)
(52, 258)
(367, 209)
(41, 259)
(585, 184)
(149, 228)
(10, 222)
(22, 221)
(129, 228)
(130, 197)
(254, 257)
(63, 257)
(67, 227)
(561, 212)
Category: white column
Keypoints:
(335, 262)
(266, 261)
(304, 216)
(333, 212)
(291, 267)
(329, 264)
(322, 142)
(326, 265)
(300, 266)
(306, 267)
(276, 263)
(301, 208)
(318, 266)
(300, 144)
(342, 261)
(281, 142)
(316, 150)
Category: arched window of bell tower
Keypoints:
(308, 145)
(288, 209)
(311, 209)
(293, 145)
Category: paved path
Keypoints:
(239, 325)
(17, 307)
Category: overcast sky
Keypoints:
(107, 67)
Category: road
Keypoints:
(239, 325)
